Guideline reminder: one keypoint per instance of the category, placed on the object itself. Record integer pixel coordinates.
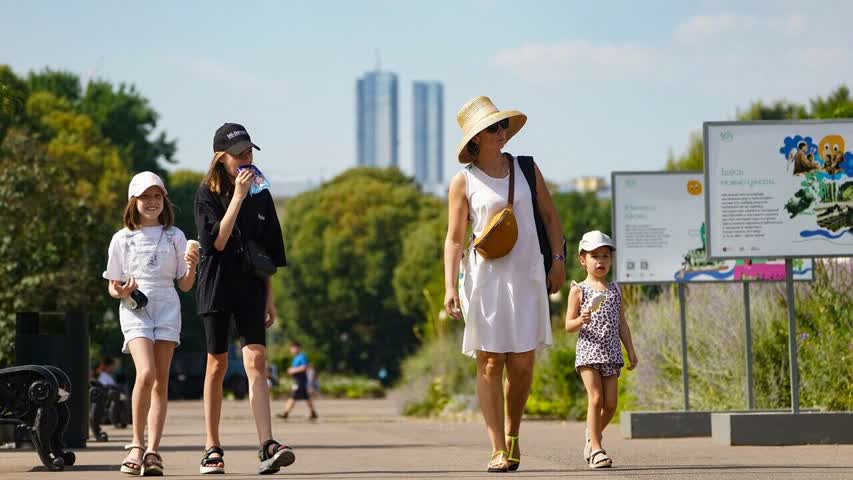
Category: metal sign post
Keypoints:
(792, 336)
(750, 396)
(682, 301)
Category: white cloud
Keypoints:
(575, 58)
(701, 27)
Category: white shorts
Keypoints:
(159, 320)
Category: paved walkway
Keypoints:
(367, 439)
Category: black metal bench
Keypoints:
(108, 405)
(33, 397)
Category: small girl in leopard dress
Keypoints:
(596, 310)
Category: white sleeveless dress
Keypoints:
(504, 300)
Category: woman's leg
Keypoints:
(595, 398)
(163, 351)
(610, 386)
(519, 376)
(490, 368)
(255, 361)
(217, 365)
(142, 352)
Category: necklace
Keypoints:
(153, 260)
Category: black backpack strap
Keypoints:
(525, 163)
(528, 168)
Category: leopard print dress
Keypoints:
(599, 345)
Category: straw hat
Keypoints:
(478, 114)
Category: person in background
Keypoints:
(299, 370)
(107, 370)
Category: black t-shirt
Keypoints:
(221, 275)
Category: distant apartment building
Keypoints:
(428, 134)
(377, 120)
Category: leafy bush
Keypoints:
(438, 379)
(825, 335)
(717, 346)
(343, 386)
(557, 389)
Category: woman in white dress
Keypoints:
(504, 301)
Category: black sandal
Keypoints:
(272, 461)
(209, 464)
(152, 464)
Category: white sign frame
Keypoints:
(712, 190)
(732, 266)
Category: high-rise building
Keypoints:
(376, 94)
(428, 134)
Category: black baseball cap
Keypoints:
(232, 138)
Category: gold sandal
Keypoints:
(513, 461)
(501, 466)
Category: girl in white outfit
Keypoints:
(504, 301)
(147, 256)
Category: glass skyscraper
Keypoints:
(428, 134)
(376, 94)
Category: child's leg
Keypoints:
(163, 351)
(611, 395)
(142, 352)
(255, 363)
(217, 365)
(595, 402)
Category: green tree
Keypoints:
(53, 260)
(837, 104)
(13, 94)
(419, 277)
(344, 242)
(692, 160)
(580, 213)
(122, 115)
(65, 161)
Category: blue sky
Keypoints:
(606, 85)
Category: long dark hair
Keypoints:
(217, 178)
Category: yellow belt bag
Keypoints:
(501, 233)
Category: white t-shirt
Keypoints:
(148, 254)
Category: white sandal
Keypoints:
(126, 464)
(605, 462)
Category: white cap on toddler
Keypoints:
(142, 181)
(594, 239)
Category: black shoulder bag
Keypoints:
(525, 163)
(252, 255)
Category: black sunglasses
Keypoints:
(493, 128)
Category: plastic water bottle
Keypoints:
(260, 182)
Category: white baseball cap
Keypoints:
(141, 181)
(594, 239)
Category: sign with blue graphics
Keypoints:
(779, 189)
(660, 235)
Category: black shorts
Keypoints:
(248, 312)
(300, 392)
